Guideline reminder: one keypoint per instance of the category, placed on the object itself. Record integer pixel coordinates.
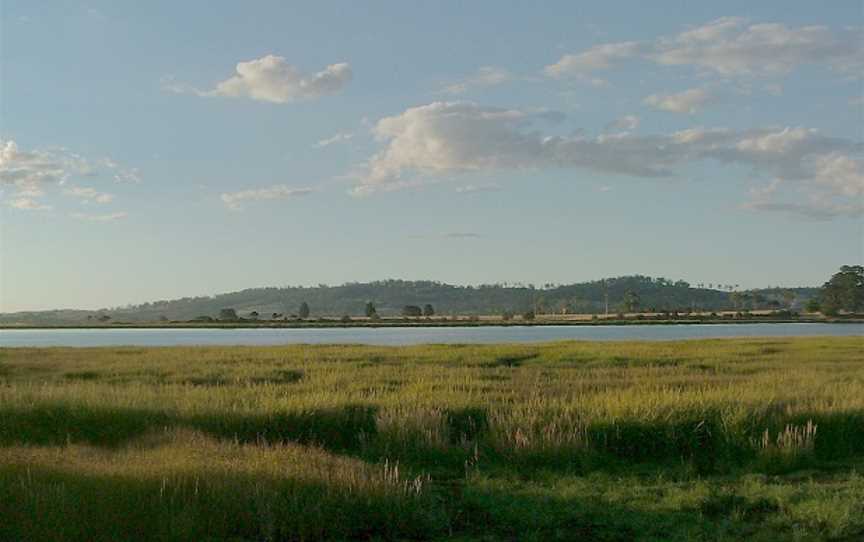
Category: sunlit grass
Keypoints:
(432, 441)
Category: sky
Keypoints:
(155, 150)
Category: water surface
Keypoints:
(412, 335)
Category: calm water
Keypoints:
(407, 335)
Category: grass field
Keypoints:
(695, 440)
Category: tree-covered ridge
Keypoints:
(390, 297)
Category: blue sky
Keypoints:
(157, 150)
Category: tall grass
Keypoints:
(334, 442)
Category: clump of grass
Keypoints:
(181, 485)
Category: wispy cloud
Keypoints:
(88, 194)
(475, 188)
(340, 137)
(486, 76)
(689, 101)
(30, 174)
(729, 47)
(28, 204)
(448, 235)
(109, 217)
(627, 123)
(234, 200)
(461, 235)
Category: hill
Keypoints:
(389, 296)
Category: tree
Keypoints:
(228, 314)
(844, 291)
(370, 310)
(304, 310)
(412, 311)
(631, 301)
(428, 310)
(507, 315)
(813, 305)
(529, 315)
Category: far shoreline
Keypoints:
(337, 324)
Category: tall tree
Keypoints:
(304, 310)
(370, 309)
(844, 291)
(428, 310)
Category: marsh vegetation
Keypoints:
(695, 440)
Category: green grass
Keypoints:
(758, 439)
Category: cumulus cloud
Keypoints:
(451, 138)
(730, 46)
(689, 101)
(29, 174)
(272, 79)
(110, 217)
(234, 200)
(340, 137)
(486, 76)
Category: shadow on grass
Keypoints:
(39, 504)
(504, 512)
(705, 444)
(336, 429)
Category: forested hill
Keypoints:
(389, 296)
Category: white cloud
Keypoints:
(689, 101)
(486, 76)
(451, 138)
(730, 46)
(110, 217)
(340, 137)
(234, 200)
(87, 193)
(271, 79)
